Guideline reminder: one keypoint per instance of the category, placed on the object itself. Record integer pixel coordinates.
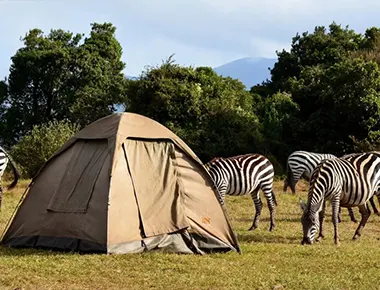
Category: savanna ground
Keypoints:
(270, 260)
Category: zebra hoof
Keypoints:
(355, 237)
(252, 228)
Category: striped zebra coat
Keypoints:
(245, 174)
(347, 182)
(301, 164)
(4, 158)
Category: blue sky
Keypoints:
(199, 32)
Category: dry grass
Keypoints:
(269, 260)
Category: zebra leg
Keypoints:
(375, 210)
(258, 206)
(286, 184)
(340, 215)
(274, 197)
(351, 214)
(335, 212)
(271, 205)
(1, 195)
(365, 212)
(293, 182)
(321, 219)
(267, 189)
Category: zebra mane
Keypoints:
(213, 160)
(315, 175)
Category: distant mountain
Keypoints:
(250, 70)
(131, 77)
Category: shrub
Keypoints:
(35, 148)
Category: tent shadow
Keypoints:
(267, 238)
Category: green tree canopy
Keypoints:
(211, 113)
(322, 47)
(62, 76)
(332, 76)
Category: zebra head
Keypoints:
(218, 175)
(310, 226)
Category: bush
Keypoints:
(35, 148)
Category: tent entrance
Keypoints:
(158, 194)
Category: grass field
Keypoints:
(269, 260)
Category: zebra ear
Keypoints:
(303, 205)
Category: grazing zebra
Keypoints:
(245, 174)
(347, 182)
(4, 157)
(301, 164)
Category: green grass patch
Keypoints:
(270, 260)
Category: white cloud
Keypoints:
(267, 47)
(162, 48)
(289, 8)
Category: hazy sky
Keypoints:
(199, 32)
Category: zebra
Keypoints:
(301, 164)
(347, 182)
(245, 174)
(4, 158)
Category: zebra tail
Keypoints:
(16, 174)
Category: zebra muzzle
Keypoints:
(306, 241)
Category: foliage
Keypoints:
(332, 77)
(371, 143)
(321, 47)
(61, 76)
(211, 113)
(277, 116)
(323, 94)
(348, 104)
(35, 148)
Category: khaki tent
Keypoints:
(123, 184)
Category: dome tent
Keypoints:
(123, 184)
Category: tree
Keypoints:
(332, 77)
(211, 113)
(277, 114)
(59, 76)
(35, 148)
(348, 104)
(321, 47)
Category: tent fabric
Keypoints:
(74, 191)
(152, 170)
(123, 184)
